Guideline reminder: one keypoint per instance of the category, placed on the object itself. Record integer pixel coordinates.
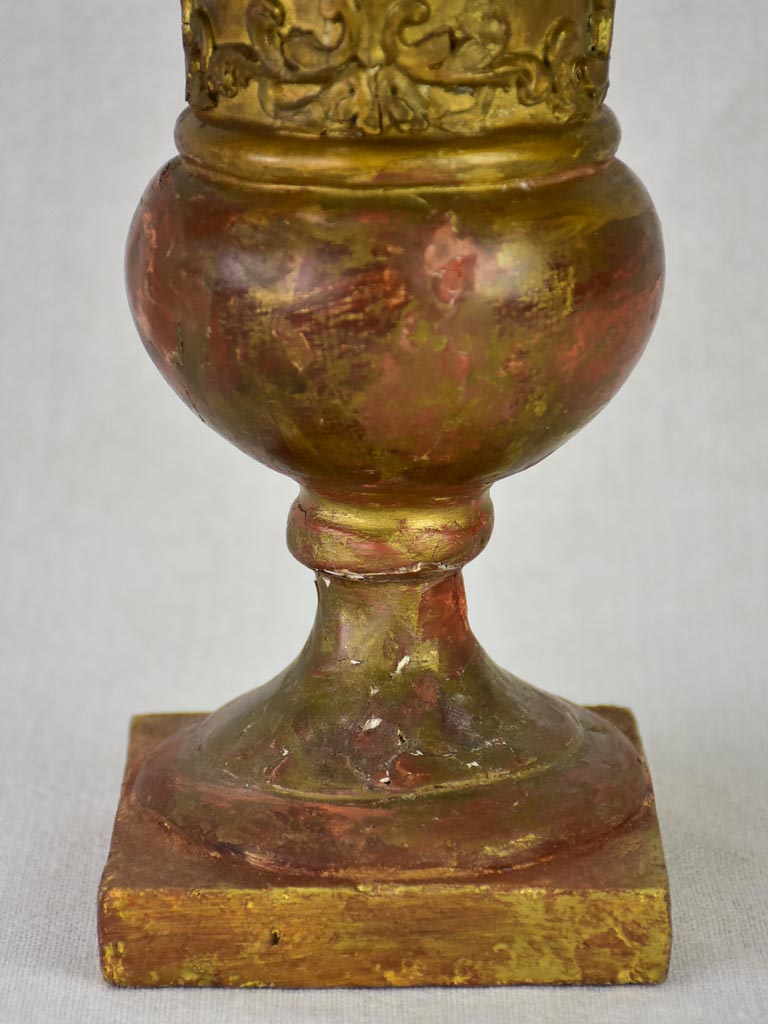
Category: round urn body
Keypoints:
(400, 340)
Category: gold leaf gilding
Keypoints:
(331, 67)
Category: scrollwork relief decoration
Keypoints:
(344, 74)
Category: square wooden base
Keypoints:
(171, 913)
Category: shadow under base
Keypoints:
(172, 912)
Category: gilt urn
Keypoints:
(397, 260)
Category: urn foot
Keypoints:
(174, 912)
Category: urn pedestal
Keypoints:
(398, 260)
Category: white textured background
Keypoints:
(142, 561)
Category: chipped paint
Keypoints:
(396, 339)
(170, 914)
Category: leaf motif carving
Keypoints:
(291, 53)
(213, 70)
(335, 71)
(464, 53)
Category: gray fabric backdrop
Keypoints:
(142, 559)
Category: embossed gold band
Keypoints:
(397, 67)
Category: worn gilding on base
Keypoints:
(398, 260)
(170, 914)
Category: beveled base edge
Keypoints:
(172, 913)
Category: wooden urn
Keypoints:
(396, 259)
